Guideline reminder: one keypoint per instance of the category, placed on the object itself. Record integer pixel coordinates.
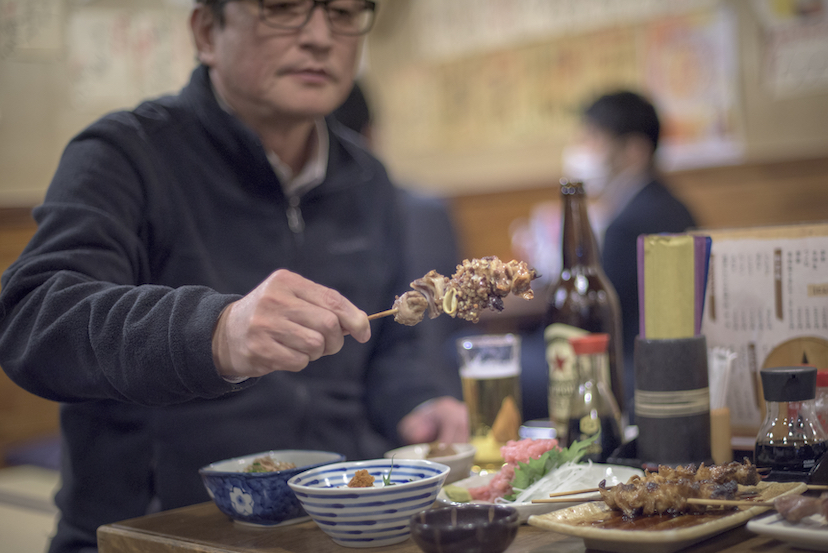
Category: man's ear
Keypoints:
(638, 150)
(202, 23)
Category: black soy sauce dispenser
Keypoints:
(791, 441)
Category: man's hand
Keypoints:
(443, 419)
(282, 325)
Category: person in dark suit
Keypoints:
(615, 156)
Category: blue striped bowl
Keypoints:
(368, 517)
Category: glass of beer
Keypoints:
(490, 373)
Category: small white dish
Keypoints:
(614, 474)
(460, 463)
(809, 533)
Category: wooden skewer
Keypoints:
(574, 492)
(691, 501)
(382, 314)
(728, 502)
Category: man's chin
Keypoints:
(315, 110)
(313, 104)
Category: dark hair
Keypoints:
(354, 112)
(624, 112)
(217, 7)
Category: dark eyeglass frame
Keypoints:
(369, 6)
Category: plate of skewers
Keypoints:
(670, 509)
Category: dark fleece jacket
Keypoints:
(157, 219)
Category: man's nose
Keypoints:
(317, 28)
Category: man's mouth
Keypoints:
(310, 74)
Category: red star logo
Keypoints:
(559, 362)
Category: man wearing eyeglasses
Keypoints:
(198, 285)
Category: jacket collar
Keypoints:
(353, 164)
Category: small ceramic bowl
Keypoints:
(460, 462)
(472, 528)
(261, 498)
(369, 517)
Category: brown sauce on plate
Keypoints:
(615, 520)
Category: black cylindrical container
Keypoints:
(672, 401)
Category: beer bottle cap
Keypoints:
(785, 384)
(591, 343)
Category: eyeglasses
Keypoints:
(345, 17)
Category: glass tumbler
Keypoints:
(490, 373)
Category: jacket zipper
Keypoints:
(294, 216)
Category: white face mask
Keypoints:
(594, 169)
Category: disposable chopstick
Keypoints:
(817, 487)
(728, 502)
(382, 314)
(574, 492)
(690, 501)
(568, 499)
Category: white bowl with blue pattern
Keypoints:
(261, 498)
(369, 517)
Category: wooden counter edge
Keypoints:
(115, 539)
(137, 535)
(124, 537)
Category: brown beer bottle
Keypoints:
(582, 301)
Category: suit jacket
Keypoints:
(653, 210)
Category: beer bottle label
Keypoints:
(563, 373)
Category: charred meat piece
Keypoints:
(433, 287)
(794, 508)
(744, 474)
(476, 285)
(667, 490)
(482, 283)
(410, 307)
(644, 497)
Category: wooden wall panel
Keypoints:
(750, 195)
(756, 195)
(483, 220)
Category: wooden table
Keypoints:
(203, 528)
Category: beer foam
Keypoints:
(488, 369)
